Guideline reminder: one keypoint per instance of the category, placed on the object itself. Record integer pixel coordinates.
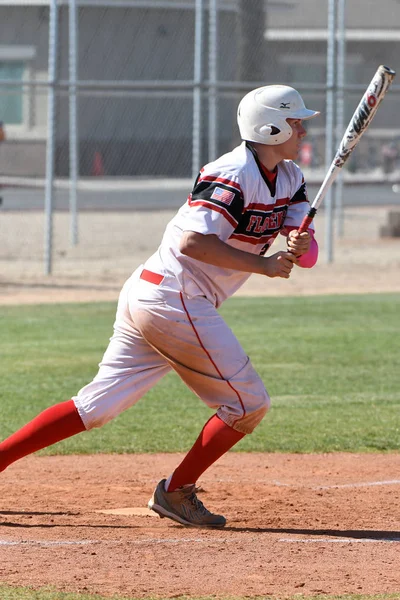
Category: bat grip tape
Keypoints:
(307, 220)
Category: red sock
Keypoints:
(52, 425)
(215, 440)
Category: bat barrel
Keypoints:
(364, 113)
(359, 122)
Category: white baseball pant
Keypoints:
(158, 328)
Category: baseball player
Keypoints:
(167, 315)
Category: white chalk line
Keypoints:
(338, 541)
(111, 542)
(45, 543)
(357, 485)
(316, 487)
(177, 541)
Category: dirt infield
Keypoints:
(297, 524)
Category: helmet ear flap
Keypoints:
(269, 129)
(272, 134)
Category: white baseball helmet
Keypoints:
(262, 114)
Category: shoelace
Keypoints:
(198, 505)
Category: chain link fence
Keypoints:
(130, 91)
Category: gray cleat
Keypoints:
(183, 506)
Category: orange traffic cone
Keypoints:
(2, 132)
(98, 167)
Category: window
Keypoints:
(11, 105)
(16, 101)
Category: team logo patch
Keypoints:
(222, 195)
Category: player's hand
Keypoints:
(279, 264)
(298, 243)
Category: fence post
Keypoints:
(213, 77)
(50, 144)
(330, 101)
(341, 60)
(73, 121)
(197, 91)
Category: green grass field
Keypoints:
(330, 364)
(8, 593)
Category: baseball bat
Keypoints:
(360, 121)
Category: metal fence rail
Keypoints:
(149, 89)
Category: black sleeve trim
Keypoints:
(221, 194)
(301, 195)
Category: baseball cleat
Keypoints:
(183, 506)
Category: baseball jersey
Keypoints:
(233, 199)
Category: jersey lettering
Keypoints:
(259, 224)
(255, 224)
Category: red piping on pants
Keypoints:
(213, 363)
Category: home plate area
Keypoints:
(296, 524)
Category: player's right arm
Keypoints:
(208, 248)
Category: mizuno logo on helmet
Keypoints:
(285, 105)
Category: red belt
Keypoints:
(151, 277)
